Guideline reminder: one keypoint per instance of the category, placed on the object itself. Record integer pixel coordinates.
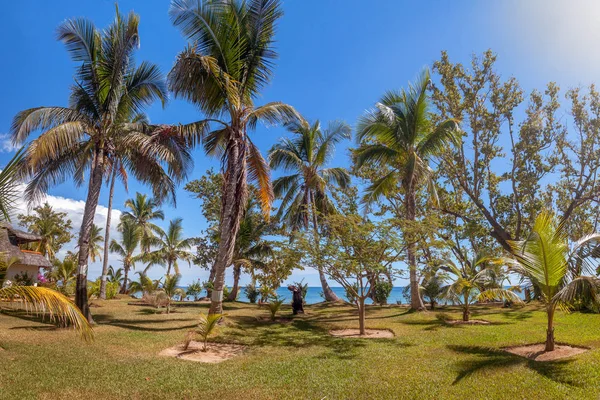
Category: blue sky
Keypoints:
(336, 59)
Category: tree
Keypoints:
(95, 243)
(556, 268)
(471, 281)
(170, 289)
(229, 61)
(171, 247)
(194, 289)
(65, 272)
(109, 89)
(399, 136)
(142, 211)
(130, 238)
(52, 226)
(431, 289)
(305, 193)
(115, 276)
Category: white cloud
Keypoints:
(6, 145)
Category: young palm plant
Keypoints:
(109, 89)
(305, 193)
(170, 289)
(398, 137)
(471, 282)
(274, 306)
(207, 326)
(171, 247)
(130, 238)
(556, 268)
(222, 71)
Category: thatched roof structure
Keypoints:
(11, 238)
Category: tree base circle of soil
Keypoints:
(536, 351)
(369, 333)
(470, 322)
(215, 353)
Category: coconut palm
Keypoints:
(144, 285)
(130, 238)
(95, 244)
(305, 193)
(65, 272)
(471, 281)
(171, 289)
(398, 137)
(52, 226)
(222, 71)
(142, 211)
(556, 268)
(115, 276)
(109, 89)
(208, 325)
(171, 247)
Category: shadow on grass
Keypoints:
(490, 358)
(140, 324)
(517, 315)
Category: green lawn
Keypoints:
(299, 360)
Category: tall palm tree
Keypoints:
(108, 90)
(142, 210)
(556, 268)
(95, 244)
(171, 247)
(229, 61)
(305, 193)
(473, 280)
(399, 137)
(130, 238)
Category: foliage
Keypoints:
(95, 245)
(170, 289)
(52, 226)
(303, 288)
(274, 306)
(251, 292)
(171, 247)
(432, 289)
(115, 276)
(23, 279)
(142, 211)
(64, 272)
(9, 185)
(112, 289)
(194, 290)
(381, 291)
(131, 235)
(207, 326)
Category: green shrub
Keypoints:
(194, 290)
(274, 306)
(251, 293)
(382, 291)
(23, 279)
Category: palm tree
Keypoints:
(305, 193)
(208, 324)
(65, 271)
(471, 281)
(145, 284)
(171, 247)
(555, 268)
(170, 289)
(53, 227)
(229, 61)
(399, 137)
(142, 211)
(130, 238)
(115, 276)
(109, 89)
(95, 244)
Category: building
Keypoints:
(29, 262)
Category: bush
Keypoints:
(23, 279)
(112, 289)
(274, 306)
(194, 290)
(382, 291)
(251, 293)
(350, 296)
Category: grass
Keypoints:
(426, 360)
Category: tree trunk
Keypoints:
(550, 329)
(466, 309)
(107, 236)
(416, 302)
(81, 298)
(237, 271)
(432, 305)
(211, 279)
(124, 285)
(361, 315)
(169, 268)
(234, 198)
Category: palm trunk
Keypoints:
(416, 302)
(328, 293)
(432, 305)
(466, 309)
(550, 329)
(124, 286)
(211, 279)
(81, 298)
(237, 271)
(234, 199)
(107, 235)
(361, 315)
(169, 268)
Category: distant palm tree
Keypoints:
(115, 276)
(171, 247)
(53, 227)
(399, 137)
(305, 193)
(142, 211)
(95, 244)
(130, 238)
(108, 90)
(171, 289)
(554, 267)
(229, 60)
(144, 285)
(65, 272)
(471, 281)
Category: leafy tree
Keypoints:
(556, 268)
(131, 235)
(229, 61)
(52, 226)
(470, 282)
(109, 89)
(305, 193)
(171, 247)
(400, 136)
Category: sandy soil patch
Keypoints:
(216, 352)
(370, 333)
(536, 351)
(471, 322)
